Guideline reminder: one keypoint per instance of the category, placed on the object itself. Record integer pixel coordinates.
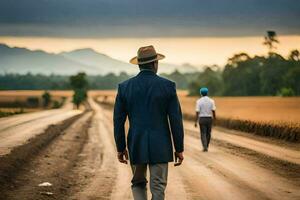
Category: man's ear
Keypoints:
(156, 65)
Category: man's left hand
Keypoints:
(122, 155)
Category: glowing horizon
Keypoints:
(197, 51)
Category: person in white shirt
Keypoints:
(205, 113)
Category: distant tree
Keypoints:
(179, 78)
(210, 79)
(79, 81)
(236, 58)
(182, 80)
(270, 40)
(79, 84)
(79, 96)
(241, 75)
(46, 99)
(292, 79)
(271, 74)
(294, 55)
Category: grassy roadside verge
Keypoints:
(281, 131)
(6, 114)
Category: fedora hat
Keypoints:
(146, 55)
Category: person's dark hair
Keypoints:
(147, 66)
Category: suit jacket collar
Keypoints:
(146, 72)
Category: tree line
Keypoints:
(97, 82)
(57, 82)
(243, 75)
(253, 76)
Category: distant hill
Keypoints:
(22, 60)
(104, 63)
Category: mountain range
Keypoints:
(22, 60)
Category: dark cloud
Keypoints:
(130, 18)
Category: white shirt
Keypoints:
(205, 106)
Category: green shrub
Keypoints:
(286, 92)
(33, 102)
(6, 114)
(46, 99)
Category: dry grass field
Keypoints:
(259, 109)
(22, 95)
(18, 102)
(268, 116)
(19, 109)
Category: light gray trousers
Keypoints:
(158, 181)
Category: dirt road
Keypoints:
(17, 130)
(81, 164)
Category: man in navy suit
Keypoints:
(155, 120)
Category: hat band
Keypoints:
(147, 58)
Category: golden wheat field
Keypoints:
(11, 110)
(23, 95)
(17, 101)
(266, 109)
(259, 109)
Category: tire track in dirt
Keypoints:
(121, 188)
(53, 164)
(17, 120)
(276, 151)
(278, 165)
(98, 170)
(11, 163)
(243, 175)
(18, 133)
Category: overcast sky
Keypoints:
(148, 18)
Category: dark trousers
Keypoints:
(205, 124)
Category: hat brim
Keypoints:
(136, 62)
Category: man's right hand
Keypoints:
(178, 158)
(122, 155)
(214, 122)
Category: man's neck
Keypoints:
(151, 70)
(146, 70)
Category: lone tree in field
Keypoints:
(79, 84)
(270, 41)
(294, 55)
(46, 99)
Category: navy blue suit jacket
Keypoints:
(150, 102)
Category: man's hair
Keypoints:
(203, 91)
(147, 66)
(204, 94)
